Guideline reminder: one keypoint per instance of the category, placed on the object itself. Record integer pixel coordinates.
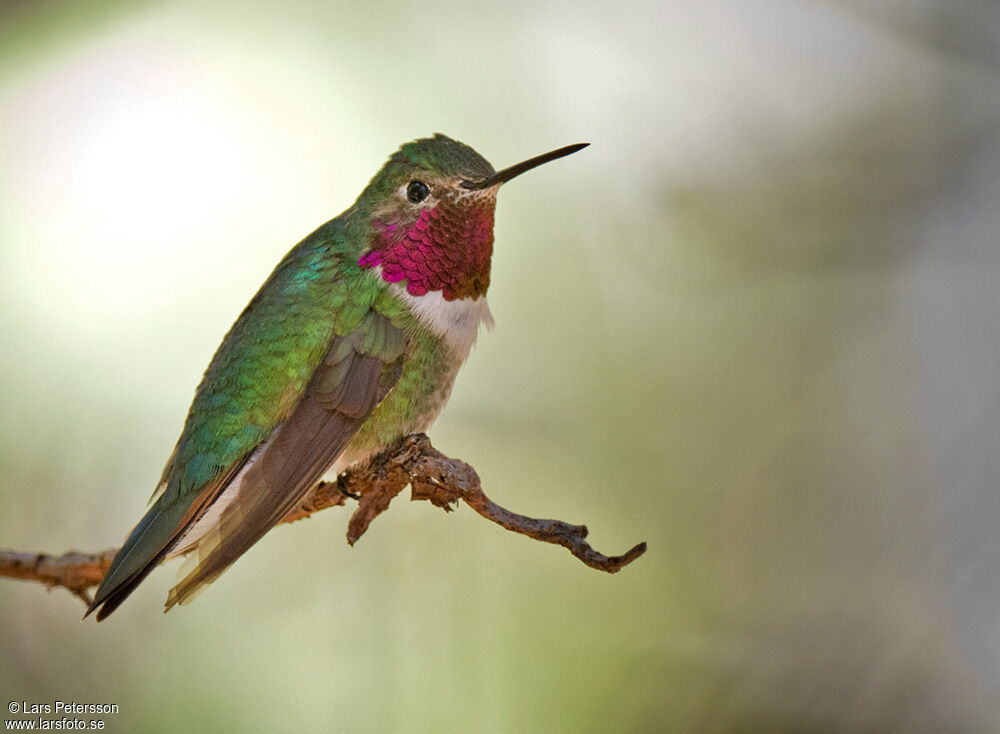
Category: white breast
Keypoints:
(457, 322)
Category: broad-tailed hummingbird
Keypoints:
(353, 342)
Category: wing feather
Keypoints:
(356, 375)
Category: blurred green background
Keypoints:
(754, 324)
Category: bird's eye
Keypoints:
(417, 191)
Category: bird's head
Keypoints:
(430, 215)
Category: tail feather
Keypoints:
(133, 562)
(120, 593)
(150, 542)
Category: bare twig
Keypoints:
(413, 461)
(73, 571)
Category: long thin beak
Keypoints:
(516, 170)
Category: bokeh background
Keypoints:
(754, 324)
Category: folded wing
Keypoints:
(358, 372)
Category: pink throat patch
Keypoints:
(447, 249)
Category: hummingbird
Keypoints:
(353, 342)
